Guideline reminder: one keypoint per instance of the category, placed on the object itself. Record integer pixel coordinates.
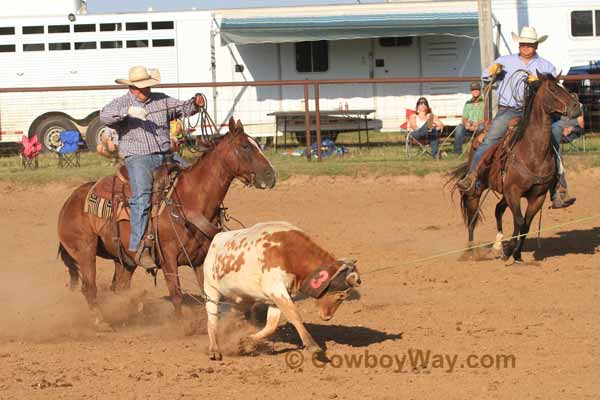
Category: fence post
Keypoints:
(318, 120)
(307, 121)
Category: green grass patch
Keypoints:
(378, 160)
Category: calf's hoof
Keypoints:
(215, 356)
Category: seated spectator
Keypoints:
(425, 125)
(565, 130)
(108, 146)
(472, 117)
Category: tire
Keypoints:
(92, 136)
(49, 130)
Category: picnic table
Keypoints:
(331, 121)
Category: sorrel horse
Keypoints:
(198, 191)
(529, 169)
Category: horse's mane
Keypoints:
(531, 89)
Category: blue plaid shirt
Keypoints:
(137, 137)
(511, 64)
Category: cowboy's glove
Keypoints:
(495, 69)
(137, 112)
(531, 78)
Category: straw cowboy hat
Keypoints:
(141, 78)
(528, 35)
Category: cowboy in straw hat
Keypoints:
(142, 119)
(507, 70)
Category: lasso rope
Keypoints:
(440, 255)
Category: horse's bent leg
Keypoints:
(533, 206)
(500, 209)
(471, 210)
(518, 220)
(169, 269)
(121, 278)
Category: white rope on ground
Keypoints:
(553, 227)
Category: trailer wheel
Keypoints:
(92, 135)
(49, 131)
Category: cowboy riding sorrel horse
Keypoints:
(184, 227)
(521, 165)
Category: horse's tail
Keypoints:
(454, 176)
(71, 265)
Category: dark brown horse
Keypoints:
(198, 193)
(527, 169)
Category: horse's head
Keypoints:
(245, 159)
(555, 98)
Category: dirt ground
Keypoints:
(514, 332)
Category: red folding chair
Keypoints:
(31, 149)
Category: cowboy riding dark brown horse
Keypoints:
(522, 165)
(184, 229)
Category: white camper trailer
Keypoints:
(75, 50)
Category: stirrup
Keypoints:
(144, 257)
(472, 183)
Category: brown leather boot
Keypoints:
(467, 184)
(562, 200)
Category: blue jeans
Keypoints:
(140, 170)
(495, 133)
(423, 133)
(459, 136)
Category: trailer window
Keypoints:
(30, 30)
(163, 42)
(34, 47)
(84, 28)
(111, 27)
(162, 25)
(597, 22)
(59, 29)
(7, 48)
(136, 26)
(582, 23)
(7, 30)
(137, 43)
(85, 45)
(59, 46)
(312, 56)
(111, 44)
(395, 41)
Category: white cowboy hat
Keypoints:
(528, 35)
(141, 78)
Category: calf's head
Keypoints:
(331, 285)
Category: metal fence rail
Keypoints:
(587, 86)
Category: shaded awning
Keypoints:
(308, 28)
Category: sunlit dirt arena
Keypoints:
(442, 328)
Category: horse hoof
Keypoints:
(215, 356)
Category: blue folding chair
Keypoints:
(68, 153)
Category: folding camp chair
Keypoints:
(31, 149)
(414, 146)
(68, 153)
